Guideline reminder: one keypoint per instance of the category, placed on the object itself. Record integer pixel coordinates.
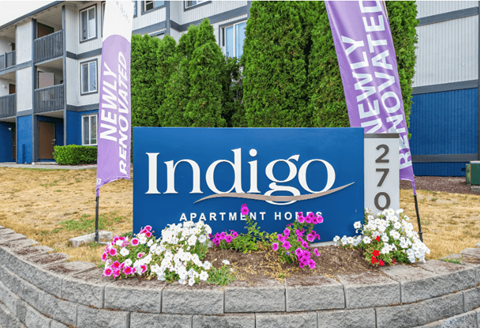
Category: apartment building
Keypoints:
(50, 62)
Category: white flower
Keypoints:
(192, 240)
(336, 239)
(367, 240)
(202, 239)
(357, 225)
(182, 281)
(124, 251)
(385, 238)
(207, 265)
(128, 262)
(227, 262)
(191, 281)
(203, 276)
(150, 243)
(119, 242)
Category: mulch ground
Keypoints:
(456, 185)
(332, 262)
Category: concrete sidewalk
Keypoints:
(49, 166)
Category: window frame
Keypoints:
(81, 76)
(144, 3)
(135, 10)
(103, 7)
(223, 35)
(89, 129)
(80, 23)
(185, 8)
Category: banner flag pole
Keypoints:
(114, 113)
(368, 67)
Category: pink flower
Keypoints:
(308, 219)
(286, 232)
(115, 265)
(228, 239)
(298, 252)
(304, 244)
(311, 215)
(112, 252)
(134, 242)
(311, 237)
(311, 264)
(234, 234)
(319, 219)
(281, 238)
(301, 219)
(316, 252)
(275, 246)
(244, 210)
(144, 268)
(127, 270)
(286, 245)
(122, 265)
(148, 228)
(222, 235)
(116, 273)
(134, 270)
(210, 236)
(140, 255)
(148, 234)
(104, 257)
(300, 215)
(108, 272)
(115, 239)
(121, 238)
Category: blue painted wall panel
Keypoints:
(444, 123)
(24, 139)
(439, 169)
(74, 126)
(6, 141)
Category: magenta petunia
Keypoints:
(210, 236)
(311, 264)
(148, 234)
(286, 245)
(115, 239)
(244, 210)
(140, 255)
(310, 237)
(234, 234)
(286, 232)
(316, 252)
(122, 265)
(116, 273)
(108, 272)
(304, 244)
(143, 267)
(300, 215)
(127, 270)
(112, 252)
(308, 219)
(104, 257)
(311, 215)
(319, 219)
(228, 239)
(301, 219)
(134, 242)
(275, 246)
(280, 238)
(115, 265)
(222, 235)
(298, 252)
(148, 228)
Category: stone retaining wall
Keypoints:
(40, 289)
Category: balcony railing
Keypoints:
(8, 60)
(8, 105)
(49, 99)
(48, 47)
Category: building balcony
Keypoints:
(8, 106)
(7, 60)
(48, 47)
(49, 99)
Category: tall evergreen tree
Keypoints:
(275, 82)
(167, 64)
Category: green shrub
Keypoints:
(75, 155)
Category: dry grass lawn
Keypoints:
(52, 206)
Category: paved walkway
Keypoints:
(49, 166)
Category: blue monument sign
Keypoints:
(206, 174)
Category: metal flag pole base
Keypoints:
(97, 238)
(420, 233)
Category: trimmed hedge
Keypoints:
(75, 155)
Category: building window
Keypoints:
(103, 15)
(234, 37)
(135, 8)
(189, 4)
(150, 5)
(89, 77)
(89, 130)
(88, 23)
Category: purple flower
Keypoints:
(244, 209)
(301, 219)
(316, 252)
(281, 238)
(275, 246)
(310, 237)
(304, 244)
(308, 219)
(311, 215)
(228, 239)
(300, 215)
(298, 252)
(319, 219)
(234, 234)
(286, 232)
(222, 235)
(311, 264)
(286, 245)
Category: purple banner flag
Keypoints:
(368, 66)
(114, 116)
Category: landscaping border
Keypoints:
(40, 289)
